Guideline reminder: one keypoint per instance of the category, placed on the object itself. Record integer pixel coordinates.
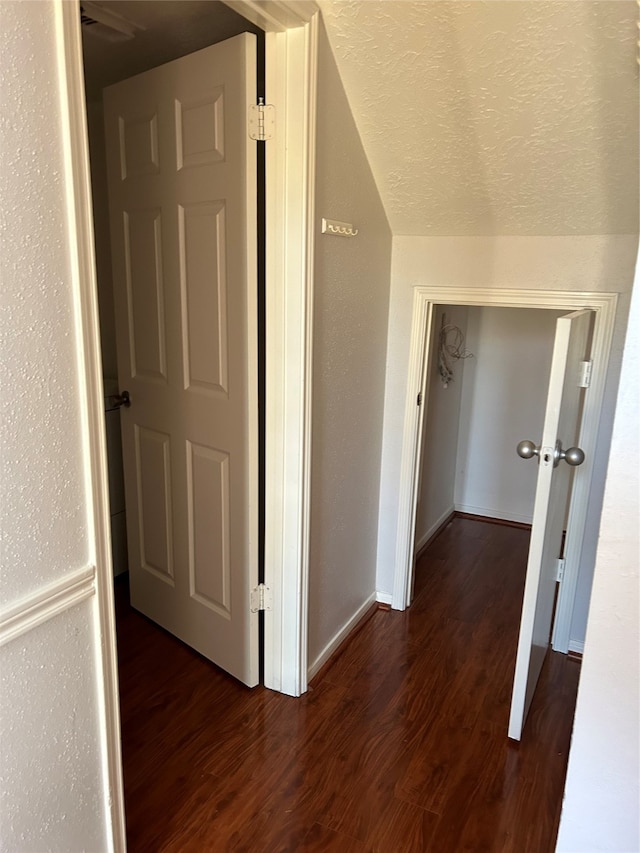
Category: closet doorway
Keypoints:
(489, 370)
(471, 428)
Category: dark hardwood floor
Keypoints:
(399, 745)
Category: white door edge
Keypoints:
(604, 304)
(79, 208)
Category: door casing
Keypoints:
(424, 301)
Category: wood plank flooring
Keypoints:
(399, 745)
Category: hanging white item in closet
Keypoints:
(450, 346)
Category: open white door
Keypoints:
(560, 432)
(182, 195)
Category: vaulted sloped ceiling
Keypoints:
(501, 117)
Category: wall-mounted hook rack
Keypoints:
(340, 229)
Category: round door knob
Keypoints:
(527, 449)
(123, 399)
(573, 456)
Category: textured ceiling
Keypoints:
(499, 117)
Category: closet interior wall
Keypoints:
(496, 398)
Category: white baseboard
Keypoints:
(422, 541)
(575, 646)
(384, 597)
(493, 513)
(341, 635)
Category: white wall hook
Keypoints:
(341, 229)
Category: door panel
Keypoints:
(182, 194)
(561, 423)
(209, 534)
(145, 298)
(153, 481)
(204, 301)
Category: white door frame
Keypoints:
(291, 39)
(291, 68)
(75, 141)
(424, 301)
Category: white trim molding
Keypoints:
(576, 647)
(433, 529)
(46, 603)
(488, 512)
(341, 635)
(425, 299)
(290, 183)
(82, 256)
(275, 16)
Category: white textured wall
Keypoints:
(51, 746)
(52, 798)
(440, 436)
(39, 382)
(596, 263)
(350, 327)
(504, 395)
(601, 810)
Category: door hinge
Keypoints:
(262, 121)
(261, 598)
(584, 376)
(560, 563)
(419, 400)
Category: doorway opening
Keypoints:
(487, 385)
(166, 31)
(291, 30)
(493, 397)
(490, 376)
(428, 503)
(214, 243)
(426, 300)
(291, 33)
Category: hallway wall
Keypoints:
(349, 350)
(602, 793)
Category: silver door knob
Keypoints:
(527, 449)
(572, 456)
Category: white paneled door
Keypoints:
(182, 195)
(560, 432)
